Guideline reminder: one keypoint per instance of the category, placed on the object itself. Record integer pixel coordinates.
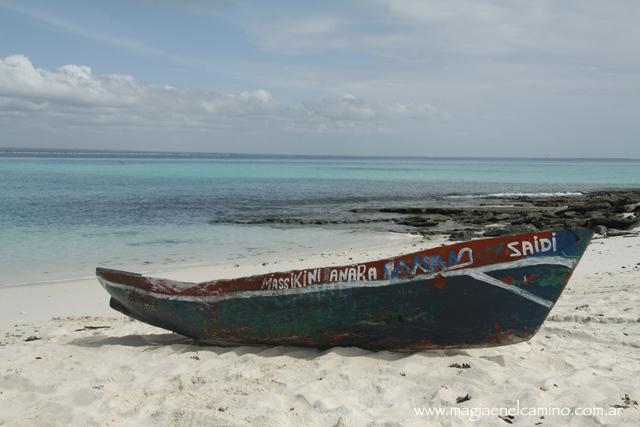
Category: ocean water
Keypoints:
(61, 214)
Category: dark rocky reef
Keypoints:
(607, 213)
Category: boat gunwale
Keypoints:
(216, 287)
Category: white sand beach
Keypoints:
(67, 359)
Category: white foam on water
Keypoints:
(512, 195)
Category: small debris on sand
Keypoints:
(507, 419)
(464, 398)
(90, 328)
(460, 366)
(628, 402)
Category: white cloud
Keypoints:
(301, 34)
(547, 32)
(69, 84)
(74, 95)
(349, 108)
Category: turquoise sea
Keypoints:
(61, 214)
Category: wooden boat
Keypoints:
(478, 293)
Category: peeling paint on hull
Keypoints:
(473, 294)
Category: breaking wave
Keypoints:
(514, 195)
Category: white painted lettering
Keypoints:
(527, 247)
(513, 247)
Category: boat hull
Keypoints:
(475, 294)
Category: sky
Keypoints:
(492, 78)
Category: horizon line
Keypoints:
(85, 151)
